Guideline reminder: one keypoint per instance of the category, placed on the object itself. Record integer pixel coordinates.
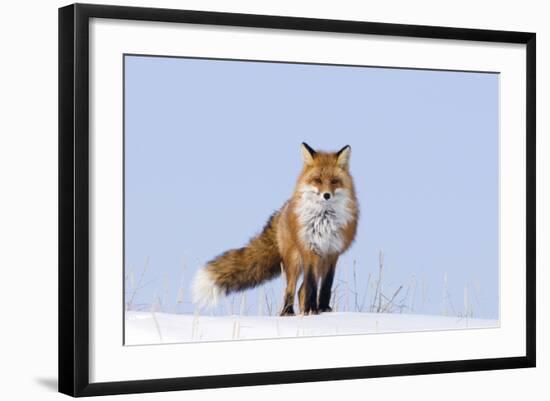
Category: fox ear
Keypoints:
(342, 156)
(308, 153)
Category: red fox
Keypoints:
(307, 235)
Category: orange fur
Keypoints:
(286, 239)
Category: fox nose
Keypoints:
(326, 195)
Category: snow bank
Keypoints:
(154, 328)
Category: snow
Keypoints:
(155, 328)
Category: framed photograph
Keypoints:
(252, 199)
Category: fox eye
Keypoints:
(317, 180)
(335, 181)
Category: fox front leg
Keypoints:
(326, 289)
(308, 292)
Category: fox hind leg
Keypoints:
(292, 272)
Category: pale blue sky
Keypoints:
(212, 149)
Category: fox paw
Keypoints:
(325, 309)
(287, 311)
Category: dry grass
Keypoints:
(349, 294)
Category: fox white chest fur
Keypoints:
(322, 220)
(303, 238)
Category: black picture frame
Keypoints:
(74, 198)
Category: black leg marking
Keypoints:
(310, 293)
(288, 308)
(326, 290)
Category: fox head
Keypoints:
(325, 175)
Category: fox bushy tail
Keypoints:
(239, 269)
